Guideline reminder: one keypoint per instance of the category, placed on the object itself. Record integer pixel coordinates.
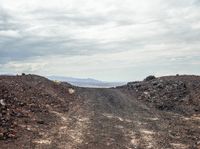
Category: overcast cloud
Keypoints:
(109, 39)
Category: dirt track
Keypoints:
(109, 119)
(117, 120)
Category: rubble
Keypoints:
(24, 98)
(176, 93)
(149, 78)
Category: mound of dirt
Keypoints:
(179, 94)
(25, 104)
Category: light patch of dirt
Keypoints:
(48, 142)
(179, 146)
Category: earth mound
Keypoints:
(26, 102)
(179, 94)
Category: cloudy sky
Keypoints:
(113, 40)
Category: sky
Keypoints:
(111, 40)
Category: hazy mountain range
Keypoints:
(86, 82)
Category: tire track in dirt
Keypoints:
(118, 122)
(68, 132)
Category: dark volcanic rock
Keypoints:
(149, 78)
(175, 93)
(24, 99)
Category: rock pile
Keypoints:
(25, 100)
(8, 111)
(179, 94)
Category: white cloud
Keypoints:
(98, 36)
(19, 67)
(9, 33)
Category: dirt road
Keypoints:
(119, 122)
(114, 120)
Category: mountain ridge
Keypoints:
(86, 82)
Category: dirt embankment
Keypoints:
(29, 106)
(180, 94)
(153, 114)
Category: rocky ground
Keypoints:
(157, 113)
(178, 94)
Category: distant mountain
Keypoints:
(71, 79)
(7, 74)
(86, 82)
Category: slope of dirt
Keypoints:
(29, 106)
(180, 94)
(38, 113)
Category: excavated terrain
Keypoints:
(157, 113)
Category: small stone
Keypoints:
(40, 122)
(11, 135)
(198, 143)
(2, 102)
(71, 91)
(146, 93)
